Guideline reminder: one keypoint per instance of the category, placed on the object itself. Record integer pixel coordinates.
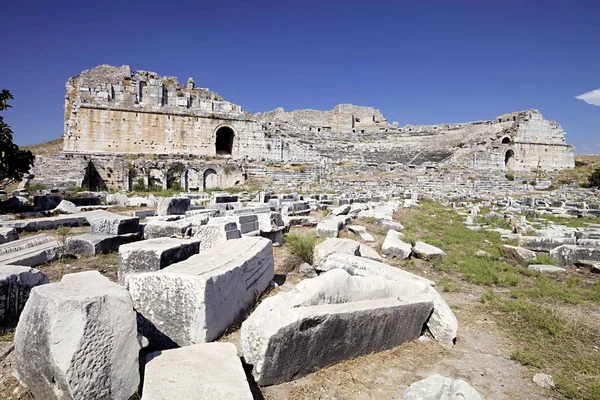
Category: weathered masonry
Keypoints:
(114, 110)
(124, 127)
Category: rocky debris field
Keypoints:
(288, 296)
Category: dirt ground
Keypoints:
(480, 356)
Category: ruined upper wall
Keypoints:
(343, 118)
(112, 87)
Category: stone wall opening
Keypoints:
(211, 180)
(506, 140)
(224, 141)
(509, 160)
(143, 86)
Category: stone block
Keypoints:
(329, 227)
(568, 255)
(341, 210)
(66, 207)
(211, 235)
(8, 235)
(16, 283)
(301, 221)
(43, 203)
(518, 253)
(546, 269)
(30, 252)
(208, 371)
(544, 243)
(195, 300)
(92, 244)
(335, 245)
(361, 232)
(427, 252)
(393, 246)
(154, 255)
(77, 339)
(326, 320)
(112, 224)
(173, 206)
(442, 324)
(437, 387)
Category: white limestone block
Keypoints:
(195, 300)
(78, 339)
(427, 252)
(326, 320)
(393, 245)
(202, 371)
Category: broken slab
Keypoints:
(544, 243)
(173, 206)
(92, 244)
(78, 339)
(30, 252)
(393, 246)
(113, 224)
(545, 269)
(427, 252)
(361, 232)
(16, 283)
(568, 255)
(370, 253)
(329, 227)
(341, 210)
(154, 255)
(335, 245)
(207, 371)
(8, 235)
(195, 300)
(211, 235)
(46, 223)
(66, 207)
(518, 253)
(442, 324)
(437, 387)
(301, 221)
(328, 319)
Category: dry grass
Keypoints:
(51, 147)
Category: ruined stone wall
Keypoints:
(106, 172)
(343, 118)
(114, 110)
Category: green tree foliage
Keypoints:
(594, 178)
(14, 163)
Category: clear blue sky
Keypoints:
(418, 61)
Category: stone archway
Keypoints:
(506, 140)
(211, 180)
(224, 141)
(510, 160)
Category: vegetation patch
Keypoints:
(302, 246)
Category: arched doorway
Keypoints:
(211, 180)
(506, 140)
(224, 141)
(509, 159)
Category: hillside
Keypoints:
(53, 146)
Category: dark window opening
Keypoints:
(506, 140)
(224, 142)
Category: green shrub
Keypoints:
(594, 178)
(579, 163)
(302, 246)
(510, 177)
(139, 186)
